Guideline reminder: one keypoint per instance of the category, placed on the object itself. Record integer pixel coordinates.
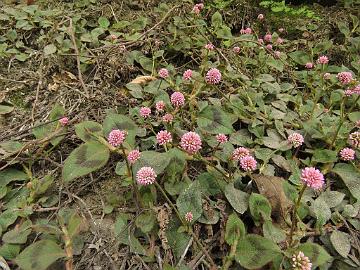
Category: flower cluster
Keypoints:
(163, 137)
(347, 154)
(198, 8)
(344, 77)
(189, 217)
(236, 49)
(248, 163)
(133, 156)
(168, 118)
(353, 91)
(64, 121)
(187, 75)
(177, 99)
(221, 138)
(191, 142)
(209, 47)
(312, 177)
(322, 60)
(354, 139)
(239, 153)
(296, 139)
(213, 76)
(246, 31)
(116, 137)
(160, 106)
(309, 65)
(301, 262)
(268, 37)
(163, 73)
(145, 112)
(145, 176)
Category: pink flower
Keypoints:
(327, 76)
(322, 60)
(260, 40)
(213, 76)
(163, 73)
(187, 74)
(247, 31)
(277, 54)
(309, 65)
(145, 176)
(347, 154)
(191, 142)
(163, 137)
(160, 106)
(281, 30)
(209, 47)
(355, 90)
(145, 112)
(301, 262)
(112, 37)
(177, 99)
(168, 118)
(198, 8)
(312, 177)
(348, 92)
(296, 139)
(188, 217)
(133, 156)
(269, 47)
(260, 17)
(116, 137)
(344, 77)
(64, 121)
(279, 40)
(221, 138)
(268, 37)
(248, 163)
(354, 139)
(236, 49)
(239, 153)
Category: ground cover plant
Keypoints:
(179, 135)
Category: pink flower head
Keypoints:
(356, 90)
(187, 75)
(191, 142)
(116, 137)
(64, 121)
(160, 106)
(322, 60)
(260, 40)
(163, 137)
(312, 177)
(260, 17)
(309, 65)
(281, 30)
(213, 76)
(247, 31)
(269, 47)
(301, 262)
(145, 112)
(112, 37)
(133, 156)
(347, 154)
(344, 77)
(296, 139)
(327, 76)
(279, 40)
(221, 138)
(268, 37)
(163, 73)
(209, 47)
(189, 217)
(277, 54)
(146, 176)
(239, 153)
(248, 163)
(177, 99)
(168, 118)
(348, 92)
(354, 139)
(198, 8)
(236, 49)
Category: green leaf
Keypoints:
(324, 156)
(341, 242)
(235, 228)
(146, 221)
(122, 122)
(19, 234)
(300, 57)
(84, 130)
(10, 147)
(176, 240)
(317, 254)
(214, 120)
(332, 198)
(10, 174)
(255, 251)
(350, 176)
(9, 251)
(273, 232)
(49, 49)
(216, 19)
(4, 109)
(260, 207)
(158, 161)
(103, 22)
(7, 218)
(190, 201)
(239, 200)
(85, 159)
(40, 255)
